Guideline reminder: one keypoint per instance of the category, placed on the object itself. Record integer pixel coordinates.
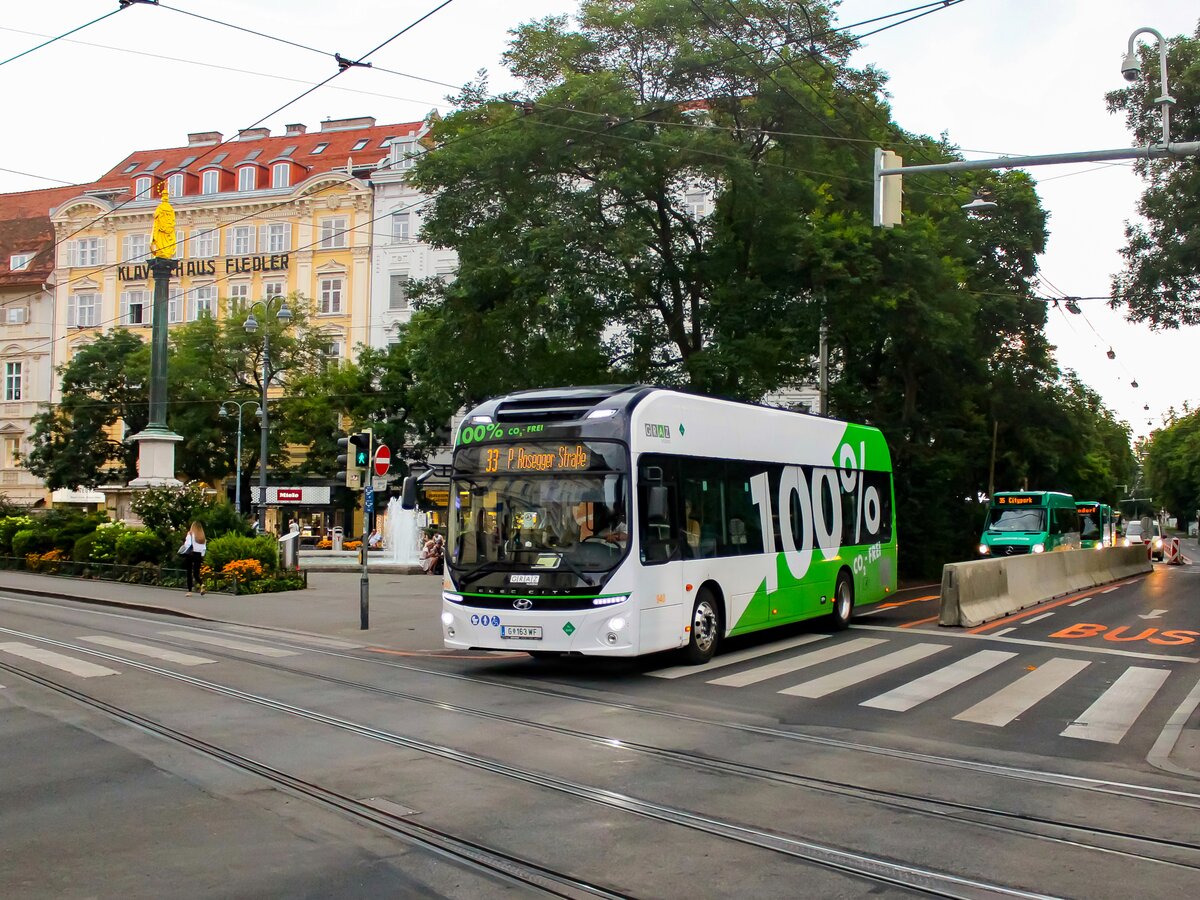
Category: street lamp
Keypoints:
(241, 405)
(1131, 68)
(283, 315)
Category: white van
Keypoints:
(1146, 531)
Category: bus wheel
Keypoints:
(705, 633)
(843, 602)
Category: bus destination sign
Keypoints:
(536, 458)
(1016, 501)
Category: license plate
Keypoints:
(524, 632)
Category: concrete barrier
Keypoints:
(986, 589)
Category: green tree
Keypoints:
(1162, 255)
(1172, 466)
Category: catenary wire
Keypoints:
(78, 28)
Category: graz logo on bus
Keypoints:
(517, 578)
(658, 431)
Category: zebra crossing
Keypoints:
(841, 666)
(81, 666)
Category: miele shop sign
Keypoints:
(233, 265)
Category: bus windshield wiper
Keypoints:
(483, 568)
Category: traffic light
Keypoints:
(355, 457)
(889, 191)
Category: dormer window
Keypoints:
(175, 185)
(129, 168)
(19, 262)
(320, 148)
(210, 181)
(403, 154)
(141, 186)
(360, 144)
(246, 178)
(281, 175)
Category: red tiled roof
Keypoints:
(340, 146)
(25, 228)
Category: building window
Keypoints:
(320, 148)
(202, 302)
(358, 145)
(272, 289)
(239, 294)
(246, 178)
(445, 271)
(129, 168)
(14, 380)
(241, 240)
(404, 154)
(331, 296)
(19, 262)
(88, 252)
(12, 452)
(333, 353)
(16, 315)
(333, 233)
(81, 310)
(204, 243)
(697, 204)
(401, 226)
(135, 307)
(210, 181)
(175, 185)
(398, 292)
(135, 247)
(279, 238)
(281, 175)
(174, 305)
(141, 186)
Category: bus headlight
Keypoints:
(610, 601)
(1039, 548)
(447, 618)
(984, 549)
(617, 623)
(1126, 543)
(453, 598)
(1099, 545)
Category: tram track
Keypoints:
(863, 866)
(967, 813)
(1127, 790)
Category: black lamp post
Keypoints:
(284, 316)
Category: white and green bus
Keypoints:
(624, 520)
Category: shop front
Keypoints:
(311, 508)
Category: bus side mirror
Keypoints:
(656, 503)
(409, 498)
(652, 475)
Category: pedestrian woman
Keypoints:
(193, 550)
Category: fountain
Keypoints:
(403, 536)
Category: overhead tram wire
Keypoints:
(343, 66)
(124, 5)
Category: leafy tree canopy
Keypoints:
(1172, 466)
(1161, 280)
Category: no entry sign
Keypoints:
(383, 459)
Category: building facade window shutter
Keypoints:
(72, 311)
(398, 293)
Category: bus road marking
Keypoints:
(1031, 688)
(80, 667)
(1037, 618)
(1111, 589)
(1053, 645)
(1004, 631)
(1117, 709)
(827, 684)
(728, 659)
(802, 661)
(916, 692)
(1084, 600)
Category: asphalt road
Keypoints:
(145, 756)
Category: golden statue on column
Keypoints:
(162, 237)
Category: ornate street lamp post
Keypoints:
(241, 405)
(283, 315)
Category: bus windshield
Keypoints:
(1089, 526)
(1026, 519)
(539, 505)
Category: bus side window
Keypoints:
(658, 528)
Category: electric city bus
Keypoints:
(623, 520)
(1030, 522)
(1095, 524)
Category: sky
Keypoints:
(1010, 77)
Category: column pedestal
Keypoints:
(156, 458)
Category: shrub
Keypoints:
(45, 562)
(140, 546)
(101, 545)
(231, 547)
(222, 518)
(68, 530)
(30, 540)
(167, 510)
(9, 526)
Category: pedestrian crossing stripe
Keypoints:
(1107, 720)
(62, 662)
